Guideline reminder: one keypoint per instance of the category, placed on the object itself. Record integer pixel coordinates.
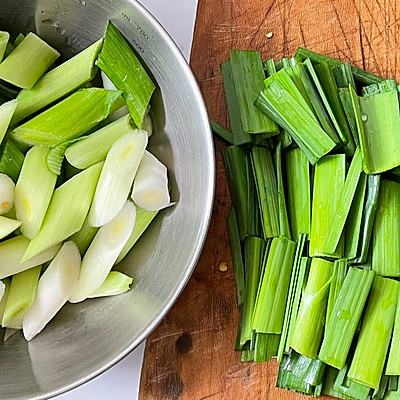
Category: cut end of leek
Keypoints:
(55, 287)
(147, 124)
(116, 283)
(7, 189)
(6, 113)
(117, 176)
(7, 226)
(150, 187)
(2, 289)
(107, 84)
(103, 252)
(33, 191)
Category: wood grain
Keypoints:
(190, 355)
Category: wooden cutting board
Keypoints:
(190, 355)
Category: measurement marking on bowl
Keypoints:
(142, 32)
(137, 45)
(126, 17)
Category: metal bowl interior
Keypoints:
(86, 339)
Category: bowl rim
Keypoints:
(198, 97)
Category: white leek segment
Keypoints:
(7, 226)
(107, 84)
(147, 124)
(103, 252)
(115, 283)
(2, 290)
(7, 188)
(121, 112)
(6, 113)
(55, 287)
(33, 191)
(9, 332)
(143, 220)
(117, 176)
(11, 252)
(150, 187)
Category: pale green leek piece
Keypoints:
(58, 83)
(28, 62)
(33, 191)
(6, 282)
(67, 211)
(11, 252)
(20, 297)
(115, 283)
(4, 38)
(69, 119)
(6, 112)
(7, 226)
(103, 252)
(143, 220)
(84, 236)
(94, 148)
(116, 178)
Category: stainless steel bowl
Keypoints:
(88, 338)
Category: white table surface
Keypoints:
(122, 381)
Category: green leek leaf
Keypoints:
(124, 69)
